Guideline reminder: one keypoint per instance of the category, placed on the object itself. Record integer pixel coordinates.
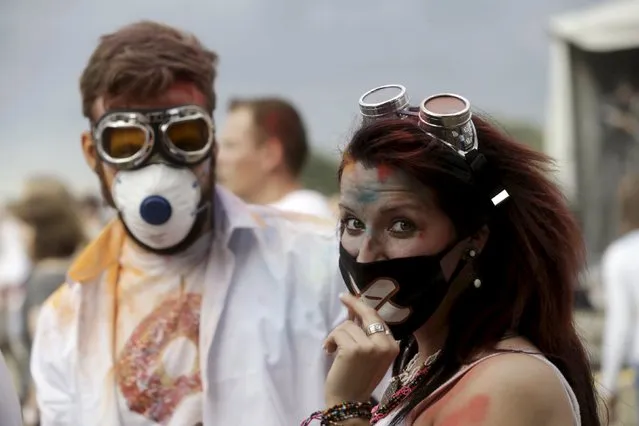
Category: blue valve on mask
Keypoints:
(155, 210)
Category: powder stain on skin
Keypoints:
(383, 173)
(461, 416)
(349, 164)
(367, 196)
(474, 412)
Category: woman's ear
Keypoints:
(479, 239)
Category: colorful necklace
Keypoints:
(402, 386)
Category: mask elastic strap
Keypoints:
(104, 189)
(460, 279)
(204, 206)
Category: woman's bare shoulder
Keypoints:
(508, 389)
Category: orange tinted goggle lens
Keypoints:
(123, 142)
(189, 135)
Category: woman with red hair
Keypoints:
(461, 256)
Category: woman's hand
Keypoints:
(361, 360)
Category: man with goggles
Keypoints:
(192, 307)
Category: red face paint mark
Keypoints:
(474, 412)
(383, 173)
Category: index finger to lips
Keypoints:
(367, 314)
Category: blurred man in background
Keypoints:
(263, 149)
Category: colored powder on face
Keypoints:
(383, 173)
(367, 196)
(349, 164)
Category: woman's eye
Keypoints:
(402, 227)
(353, 224)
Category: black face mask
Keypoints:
(405, 292)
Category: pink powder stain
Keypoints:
(383, 173)
(474, 412)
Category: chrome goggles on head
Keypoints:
(446, 117)
(128, 139)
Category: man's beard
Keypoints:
(203, 222)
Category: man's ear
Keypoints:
(88, 149)
(272, 154)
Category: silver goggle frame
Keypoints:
(385, 101)
(447, 117)
(147, 122)
(452, 126)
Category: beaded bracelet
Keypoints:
(341, 412)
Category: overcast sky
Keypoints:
(322, 55)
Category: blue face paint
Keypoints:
(367, 196)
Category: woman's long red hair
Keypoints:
(531, 261)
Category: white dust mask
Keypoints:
(157, 203)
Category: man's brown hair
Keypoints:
(629, 202)
(142, 60)
(275, 117)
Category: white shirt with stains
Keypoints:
(157, 341)
(268, 296)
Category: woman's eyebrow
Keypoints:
(343, 206)
(404, 205)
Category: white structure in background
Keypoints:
(579, 44)
(584, 46)
(607, 27)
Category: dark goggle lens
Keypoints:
(123, 142)
(448, 117)
(189, 135)
(445, 105)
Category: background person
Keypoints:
(263, 148)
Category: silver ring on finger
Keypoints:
(377, 327)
